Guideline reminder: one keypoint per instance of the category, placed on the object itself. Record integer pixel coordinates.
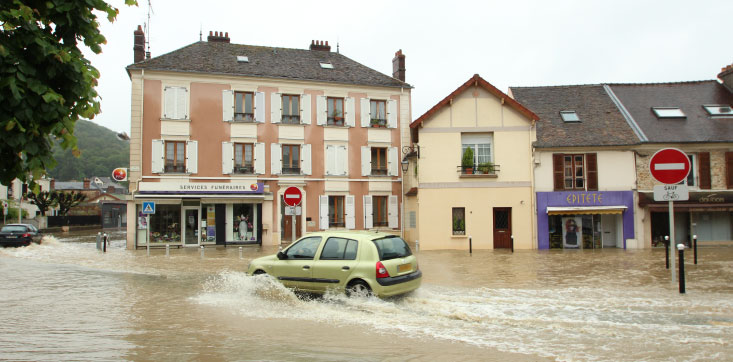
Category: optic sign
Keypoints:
(292, 196)
(120, 174)
(669, 166)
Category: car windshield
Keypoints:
(304, 248)
(392, 247)
(13, 229)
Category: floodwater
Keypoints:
(64, 300)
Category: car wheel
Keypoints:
(259, 272)
(358, 288)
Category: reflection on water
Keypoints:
(64, 300)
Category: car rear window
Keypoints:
(392, 247)
(13, 229)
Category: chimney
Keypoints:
(52, 184)
(110, 189)
(398, 65)
(139, 47)
(726, 75)
(86, 183)
(318, 45)
(218, 37)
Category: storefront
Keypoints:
(585, 220)
(194, 214)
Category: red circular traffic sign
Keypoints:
(669, 166)
(292, 196)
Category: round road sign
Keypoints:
(669, 166)
(292, 196)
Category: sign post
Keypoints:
(148, 209)
(5, 211)
(292, 197)
(670, 166)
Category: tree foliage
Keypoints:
(43, 200)
(67, 200)
(46, 84)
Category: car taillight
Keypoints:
(382, 271)
(26, 235)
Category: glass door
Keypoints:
(191, 226)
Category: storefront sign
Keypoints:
(202, 188)
(579, 198)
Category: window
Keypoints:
(291, 109)
(243, 158)
(242, 59)
(335, 111)
(481, 145)
(379, 161)
(336, 211)
(304, 249)
(378, 113)
(459, 221)
(175, 159)
(339, 249)
(392, 247)
(668, 112)
(569, 116)
(719, 110)
(291, 159)
(165, 225)
(326, 65)
(574, 172)
(693, 172)
(244, 107)
(413, 219)
(379, 211)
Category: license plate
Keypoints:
(404, 268)
(12, 237)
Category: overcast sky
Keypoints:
(509, 43)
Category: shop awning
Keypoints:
(199, 196)
(585, 210)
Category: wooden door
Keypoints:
(502, 227)
(287, 231)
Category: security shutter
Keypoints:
(305, 108)
(392, 113)
(276, 162)
(323, 211)
(259, 107)
(227, 105)
(277, 107)
(557, 171)
(365, 112)
(703, 170)
(592, 169)
(259, 161)
(192, 157)
(227, 158)
(158, 156)
(366, 161)
(321, 110)
(349, 212)
(393, 163)
(305, 159)
(368, 212)
(393, 212)
(350, 112)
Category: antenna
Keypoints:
(337, 46)
(147, 29)
(201, 31)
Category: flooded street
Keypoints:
(64, 300)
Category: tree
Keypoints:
(67, 200)
(43, 200)
(46, 84)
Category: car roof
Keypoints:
(26, 225)
(353, 234)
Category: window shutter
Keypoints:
(277, 107)
(392, 113)
(393, 213)
(305, 159)
(192, 157)
(349, 212)
(323, 211)
(330, 160)
(368, 212)
(350, 112)
(305, 108)
(365, 112)
(158, 156)
(276, 161)
(557, 171)
(703, 170)
(392, 163)
(227, 105)
(321, 110)
(366, 161)
(182, 103)
(342, 158)
(592, 169)
(729, 169)
(227, 158)
(259, 107)
(169, 98)
(259, 161)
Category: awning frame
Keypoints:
(585, 210)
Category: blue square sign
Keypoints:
(148, 207)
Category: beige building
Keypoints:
(449, 203)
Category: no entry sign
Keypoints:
(669, 166)
(292, 196)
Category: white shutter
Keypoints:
(227, 105)
(393, 213)
(350, 112)
(392, 113)
(277, 107)
(192, 157)
(305, 108)
(305, 159)
(330, 160)
(259, 160)
(321, 110)
(349, 212)
(393, 163)
(366, 161)
(342, 167)
(182, 103)
(259, 107)
(323, 211)
(158, 156)
(276, 161)
(169, 98)
(227, 158)
(366, 112)
(368, 212)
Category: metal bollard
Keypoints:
(666, 250)
(104, 243)
(470, 245)
(417, 245)
(240, 252)
(694, 246)
(202, 251)
(512, 243)
(681, 248)
(99, 240)
(167, 250)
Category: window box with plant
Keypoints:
(459, 227)
(378, 123)
(467, 161)
(486, 168)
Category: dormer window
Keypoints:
(326, 65)
(242, 59)
(668, 112)
(719, 110)
(569, 116)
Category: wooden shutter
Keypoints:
(321, 110)
(366, 161)
(330, 159)
(591, 165)
(276, 107)
(350, 112)
(350, 212)
(276, 161)
(259, 107)
(169, 103)
(323, 211)
(393, 162)
(342, 158)
(158, 156)
(368, 212)
(259, 158)
(305, 109)
(703, 170)
(227, 158)
(393, 212)
(558, 171)
(192, 157)
(392, 113)
(227, 105)
(365, 112)
(729, 169)
(182, 103)
(305, 159)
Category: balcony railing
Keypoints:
(479, 171)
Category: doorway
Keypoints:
(287, 224)
(502, 227)
(191, 226)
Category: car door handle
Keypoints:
(306, 266)
(345, 268)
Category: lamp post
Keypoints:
(405, 164)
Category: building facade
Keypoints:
(221, 130)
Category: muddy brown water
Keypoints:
(64, 300)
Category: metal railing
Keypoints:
(492, 170)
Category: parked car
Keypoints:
(349, 261)
(19, 235)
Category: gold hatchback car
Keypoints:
(350, 261)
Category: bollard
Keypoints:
(681, 248)
(694, 246)
(240, 252)
(512, 243)
(167, 250)
(470, 245)
(104, 243)
(202, 251)
(417, 245)
(99, 240)
(666, 250)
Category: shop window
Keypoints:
(244, 158)
(459, 221)
(244, 107)
(336, 211)
(291, 159)
(291, 109)
(379, 161)
(175, 159)
(165, 224)
(379, 211)
(335, 111)
(244, 223)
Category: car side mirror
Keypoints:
(281, 255)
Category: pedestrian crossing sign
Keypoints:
(149, 207)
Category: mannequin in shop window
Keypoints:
(571, 236)
(243, 227)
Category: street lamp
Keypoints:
(405, 165)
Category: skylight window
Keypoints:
(242, 59)
(668, 112)
(719, 110)
(326, 65)
(569, 116)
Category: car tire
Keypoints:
(358, 288)
(259, 272)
